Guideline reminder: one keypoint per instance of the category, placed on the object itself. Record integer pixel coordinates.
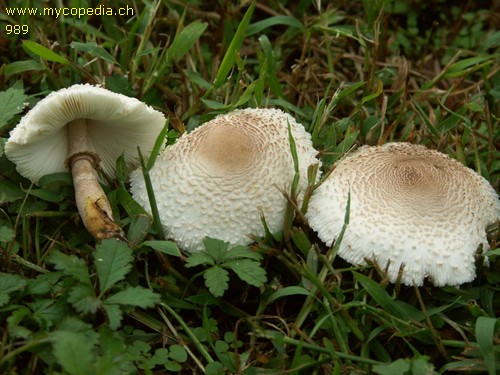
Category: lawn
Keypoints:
(353, 72)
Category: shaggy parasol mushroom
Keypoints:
(218, 179)
(409, 206)
(81, 128)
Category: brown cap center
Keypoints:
(225, 149)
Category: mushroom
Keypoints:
(411, 208)
(84, 127)
(217, 180)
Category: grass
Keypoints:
(353, 72)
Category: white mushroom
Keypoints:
(217, 180)
(409, 206)
(84, 127)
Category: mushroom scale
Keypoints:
(409, 206)
(217, 180)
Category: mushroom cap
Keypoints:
(217, 180)
(409, 206)
(116, 125)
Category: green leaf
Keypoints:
(185, 40)
(467, 65)
(240, 251)
(44, 283)
(159, 144)
(214, 368)
(248, 270)
(258, 26)
(112, 261)
(113, 360)
(166, 247)
(49, 312)
(380, 88)
(22, 66)
(121, 85)
(199, 258)
(288, 291)
(8, 284)
(216, 280)
(485, 332)
(83, 299)
(115, 315)
(216, 248)
(233, 49)
(10, 192)
(399, 367)
(11, 103)
(385, 301)
(55, 181)
(44, 52)
(94, 49)
(178, 353)
(6, 235)
(71, 266)
(74, 352)
(46, 195)
(134, 296)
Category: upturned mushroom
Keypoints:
(217, 180)
(411, 208)
(83, 128)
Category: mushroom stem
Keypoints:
(93, 205)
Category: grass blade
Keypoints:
(485, 331)
(235, 45)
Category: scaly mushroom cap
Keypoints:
(116, 124)
(216, 180)
(409, 206)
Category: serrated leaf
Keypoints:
(216, 280)
(113, 360)
(43, 283)
(11, 103)
(113, 260)
(48, 312)
(8, 284)
(134, 296)
(74, 352)
(83, 299)
(71, 266)
(199, 258)
(6, 234)
(44, 52)
(166, 247)
(94, 49)
(240, 251)
(115, 315)
(215, 248)
(248, 270)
